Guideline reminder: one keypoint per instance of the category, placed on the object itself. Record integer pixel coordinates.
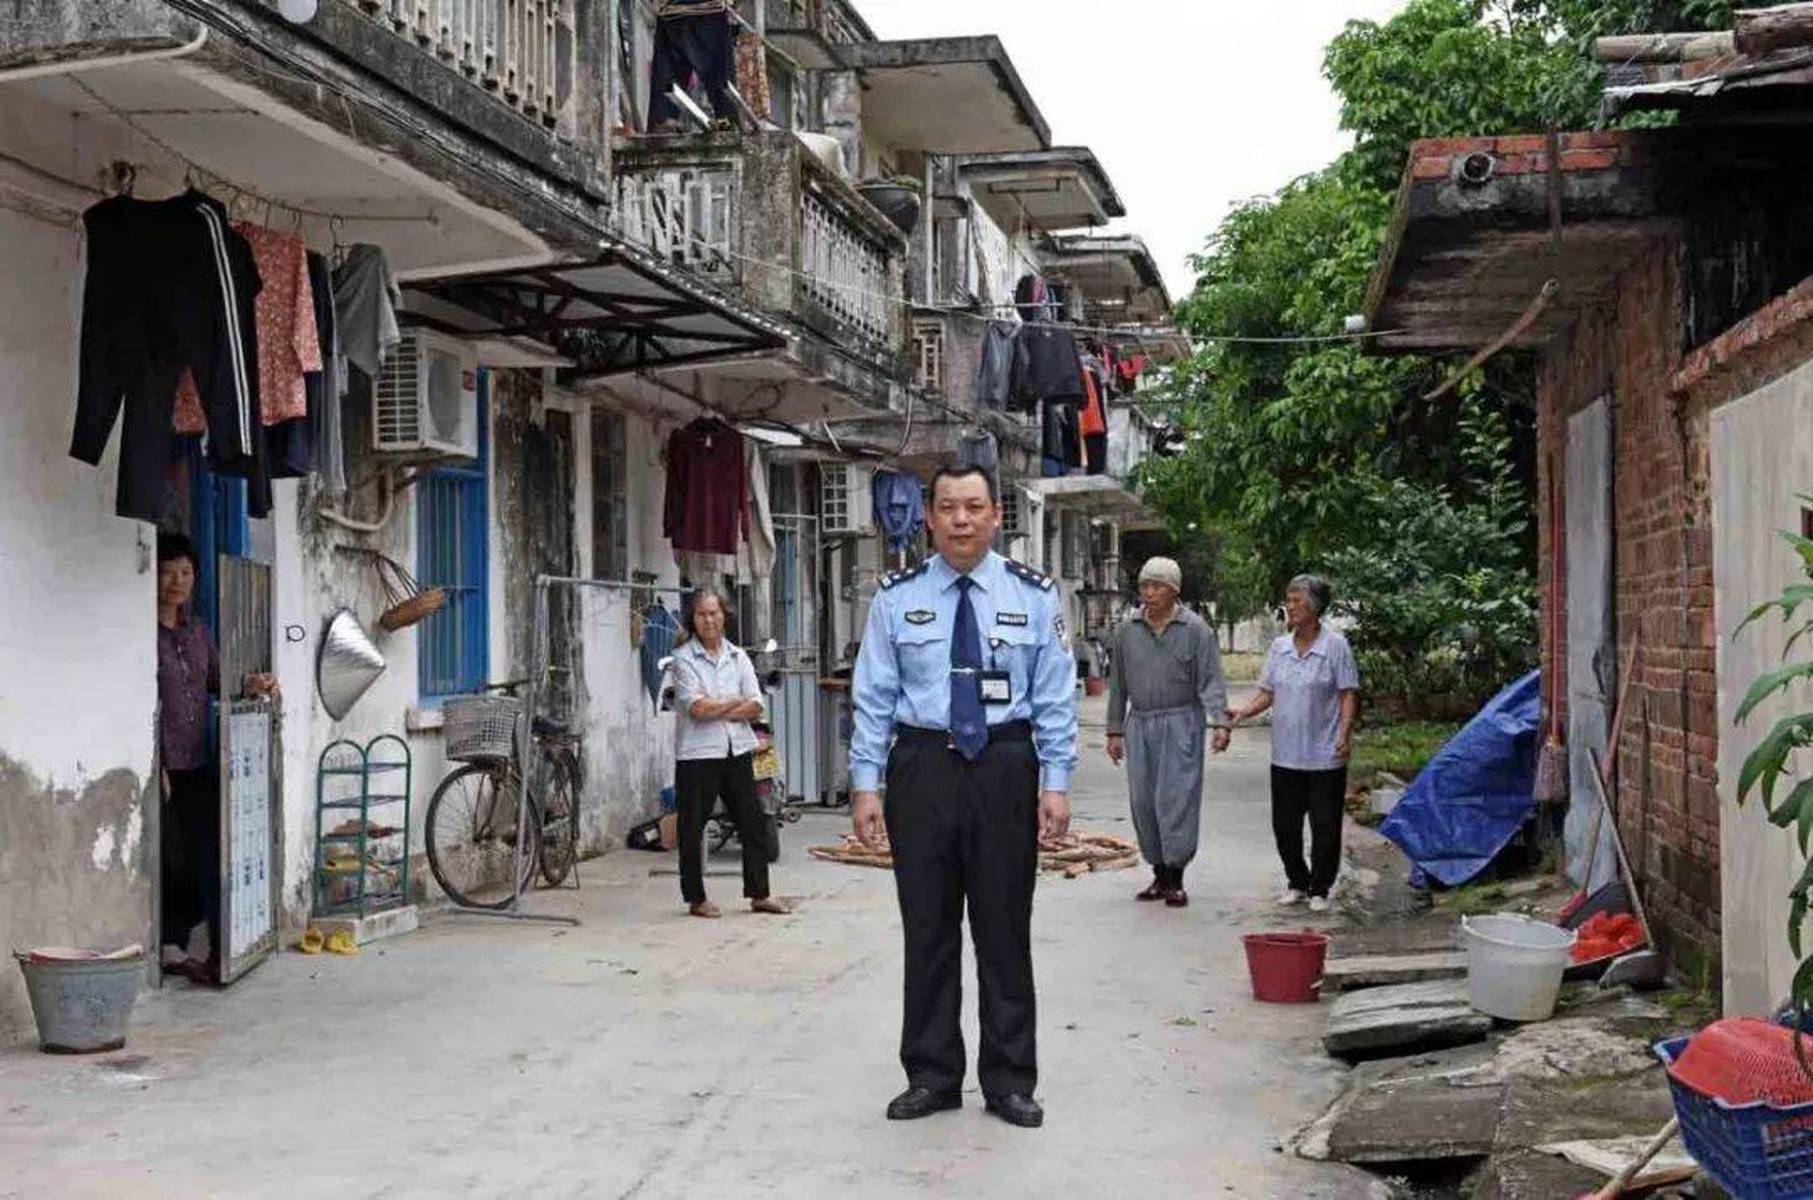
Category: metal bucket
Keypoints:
(82, 1005)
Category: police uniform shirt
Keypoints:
(903, 672)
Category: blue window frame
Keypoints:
(452, 522)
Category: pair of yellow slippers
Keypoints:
(337, 942)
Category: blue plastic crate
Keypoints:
(1754, 1151)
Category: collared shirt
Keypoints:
(903, 672)
(1175, 668)
(1306, 699)
(700, 676)
(188, 668)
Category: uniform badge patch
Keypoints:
(1008, 618)
(1057, 627)
(921, 616)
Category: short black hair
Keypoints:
(964, 472)
(172, 546)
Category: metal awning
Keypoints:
(619, 313)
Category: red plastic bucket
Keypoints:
(1286, 967)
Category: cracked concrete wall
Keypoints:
(78, 646)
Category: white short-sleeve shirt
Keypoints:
(699, 676)
(1306, 699)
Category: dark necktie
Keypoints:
(969, 725)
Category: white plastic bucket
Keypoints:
(1514, 965)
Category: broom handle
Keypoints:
(1615, 1188)
(1636, 898)
(1554, 606)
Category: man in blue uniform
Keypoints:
(965, 697)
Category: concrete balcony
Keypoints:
(810, 31)
(762, 217)
(512, 76)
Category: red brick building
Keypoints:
(1663, 280)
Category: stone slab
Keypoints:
(392, 922)
(1383, 1020)
(1528, 1175)
(1385, 970)
(1416, 1121)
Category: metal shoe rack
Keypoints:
(361, 866)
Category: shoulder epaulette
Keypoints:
(1038, 580)
(895, 578)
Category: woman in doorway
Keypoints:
(1312, 685)
(188, 671)
(717, 695)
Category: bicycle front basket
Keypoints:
(480, 728)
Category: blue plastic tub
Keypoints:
(1754, 1151)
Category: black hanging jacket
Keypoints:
(169, 284)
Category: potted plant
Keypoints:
(898, 199)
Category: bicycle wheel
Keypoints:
(471, 835)
(559, 817)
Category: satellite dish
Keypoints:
(346, 664)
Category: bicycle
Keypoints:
(471, 829)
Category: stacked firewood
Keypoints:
(1072, 855)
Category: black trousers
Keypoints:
(685, 46)
(698, 785)
(966, 833)
(189, 841)
(1321, 797)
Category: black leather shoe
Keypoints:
(1023, 1111)
(918, 1102)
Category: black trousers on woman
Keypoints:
(1320, 796)
(698, 786)
(190, 857)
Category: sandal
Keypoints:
(771, 904)
(705, 908)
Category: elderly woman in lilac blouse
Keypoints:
(1312, 686)
(188, 672)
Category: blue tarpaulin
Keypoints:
(1476, 792)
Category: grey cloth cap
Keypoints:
(1162, 570)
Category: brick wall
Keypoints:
(1628, 347)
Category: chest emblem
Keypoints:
(1008, 618)
(921, 616)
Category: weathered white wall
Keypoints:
(78, 646)
(1762, 456)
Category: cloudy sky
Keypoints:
(1192, 105)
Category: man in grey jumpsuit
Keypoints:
(1166, 690)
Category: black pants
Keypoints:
(698, 785)
(190, 857)
(685, 46)
(1320, 796)
(966, 832)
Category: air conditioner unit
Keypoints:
(845, 505)
(1013, 511)
(425, 399)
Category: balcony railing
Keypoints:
(836, 21)
(519, 50)
(685, 214)
(761, 214)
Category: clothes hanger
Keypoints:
(335, 224)
(125, 177)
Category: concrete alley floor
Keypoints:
(648, 1054)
